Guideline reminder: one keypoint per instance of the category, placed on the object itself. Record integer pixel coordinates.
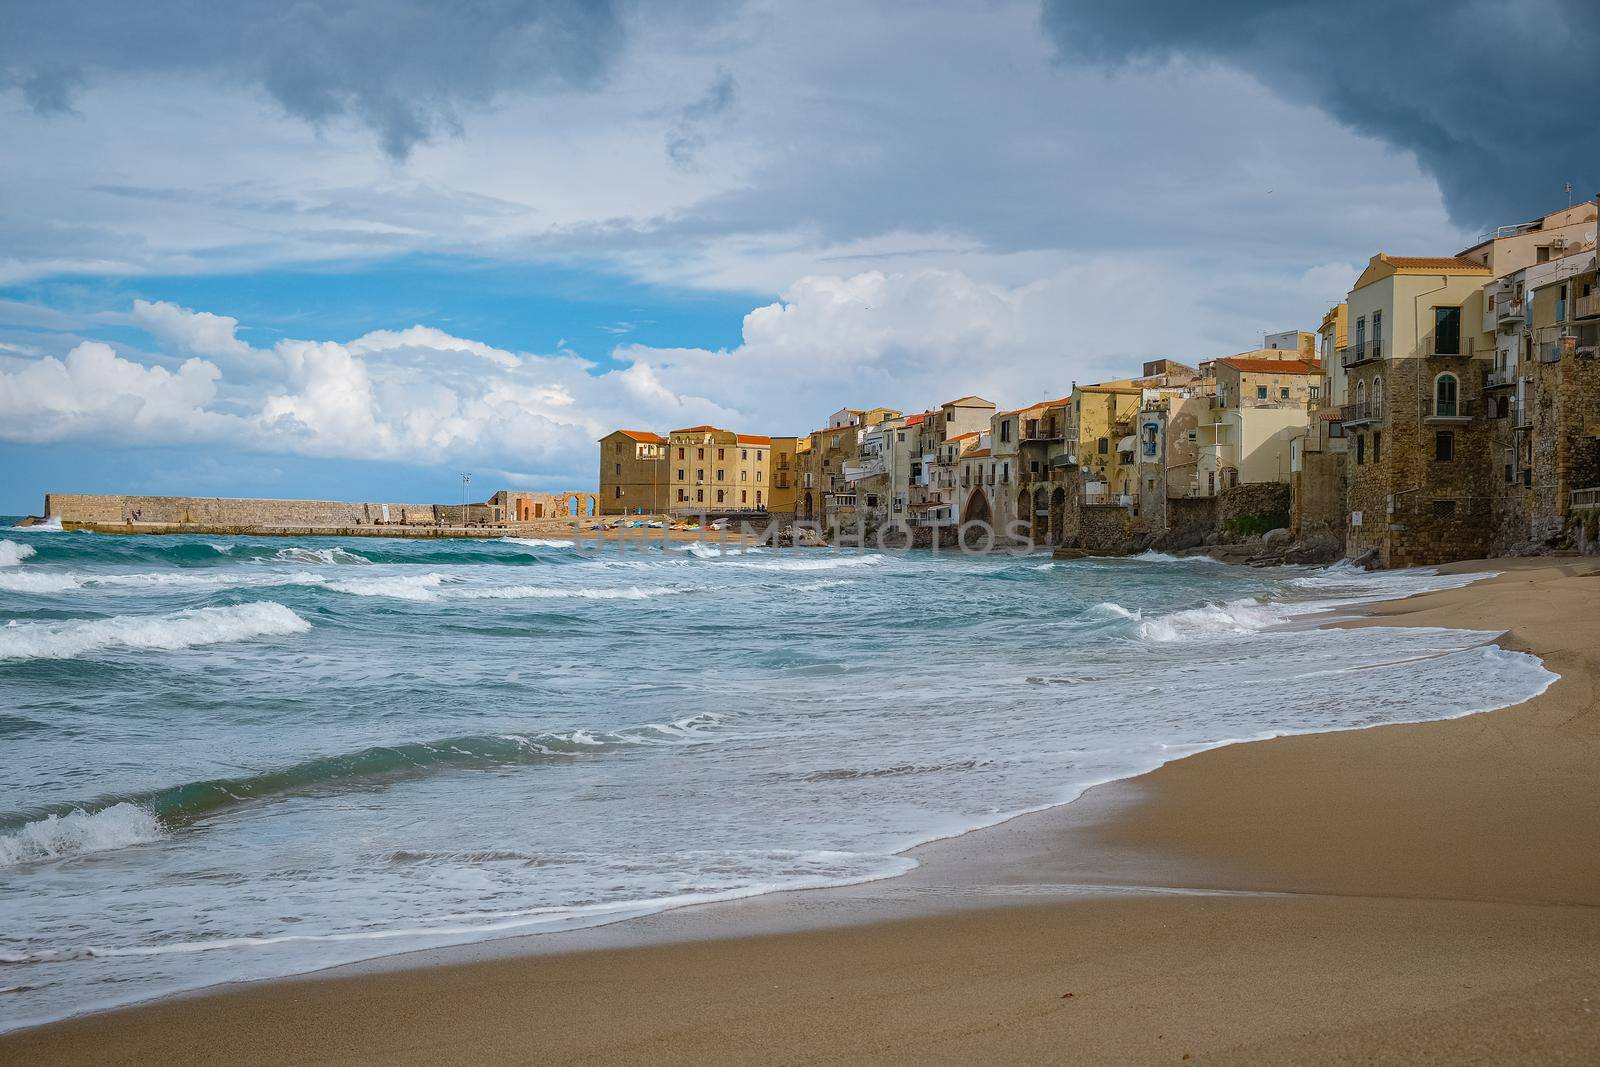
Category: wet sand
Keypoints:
(1392, 895)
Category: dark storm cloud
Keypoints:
(404, 68)
(1496, 99)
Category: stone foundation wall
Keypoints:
(1243, 508)
(224, 511)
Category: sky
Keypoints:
(353, 250)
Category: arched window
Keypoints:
(1377, 397)
(1445, 396)
(1361, 392)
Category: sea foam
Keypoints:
(79, 832)
(12, 554)
(169, 632)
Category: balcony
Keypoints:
(1361, 352)
(1499, 377)
(1586, 307)
(1045, 430)
(1433, 345)
(1450, 411)
(1509, 308)
(1585, 499)
(1361, 412)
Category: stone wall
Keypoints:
(1190, 519)
(1104, 527)
(1319, 495)
(1253, 507)
(222, 511)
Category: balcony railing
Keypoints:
(1586, 307)
(1361, 411)
(1433, 345)
(1047, 430)
(1450, 410)
(1361, 352)
(1585, 499)
(1498, 377)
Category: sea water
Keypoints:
(238, 757)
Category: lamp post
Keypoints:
(466, 480)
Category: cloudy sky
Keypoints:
(352, 249)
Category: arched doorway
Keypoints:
(1058, 515)
(1039, 516)
(810, 508)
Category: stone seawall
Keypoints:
(104, 510)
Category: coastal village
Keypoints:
(1447, 408)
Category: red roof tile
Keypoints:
(1272, 366)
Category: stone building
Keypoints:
(633, 473)
(1416, 457)
(1100, 434)
(712, 470)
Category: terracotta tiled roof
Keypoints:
(644, 435)
(916, 420)
(1272, 366)
(699, 429)
(977, 453)
(964, 436)
(963, 400)
(754, 439)
(1434, 263)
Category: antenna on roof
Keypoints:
(1569, 193)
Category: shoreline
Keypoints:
(1109, 850)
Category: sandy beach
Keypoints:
(1392, 895)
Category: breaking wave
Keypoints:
(12, 554)
(418, 587)
(1152, 556)
(1218, 620)
(828, 564)
(118, 820)
(176, 630)
(521, 592)
(538, 542)
(79, 832)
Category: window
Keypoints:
(1283, 392)
(1444, 446)
(1261, 392)
(1033, 467)
(1561, 304)
(1541, 254)
(721, 454)
(758, 498)
(680, 474)
(760, 476)
(1335, 430)
(1193, 436)
(835, 441)
(1447, 331)
(900, 436)
(1103, 446)
(1005, 430)
(744, 496)
(1444, 508)
(619, 493)
(1445, 390)
(1314, 391)
(872, 500)
(1377, 333)
(700, 496)
(680, 453)
(1361, 449)
(618, 467)
(1005, 472)
(683, 494)
(721, 474)
(719, 496)
(1377, 446)
(700, 474)
(1511, 474)
(699, 453)
(1361, 334)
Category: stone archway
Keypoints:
(977, 508)
(1058, 515)
(1039, 516)
(810, 508)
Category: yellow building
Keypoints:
(1260, 406)
(710, 469)
(784, 473)
(633, 473)
(1101, 433)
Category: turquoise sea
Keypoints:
(239, 757)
